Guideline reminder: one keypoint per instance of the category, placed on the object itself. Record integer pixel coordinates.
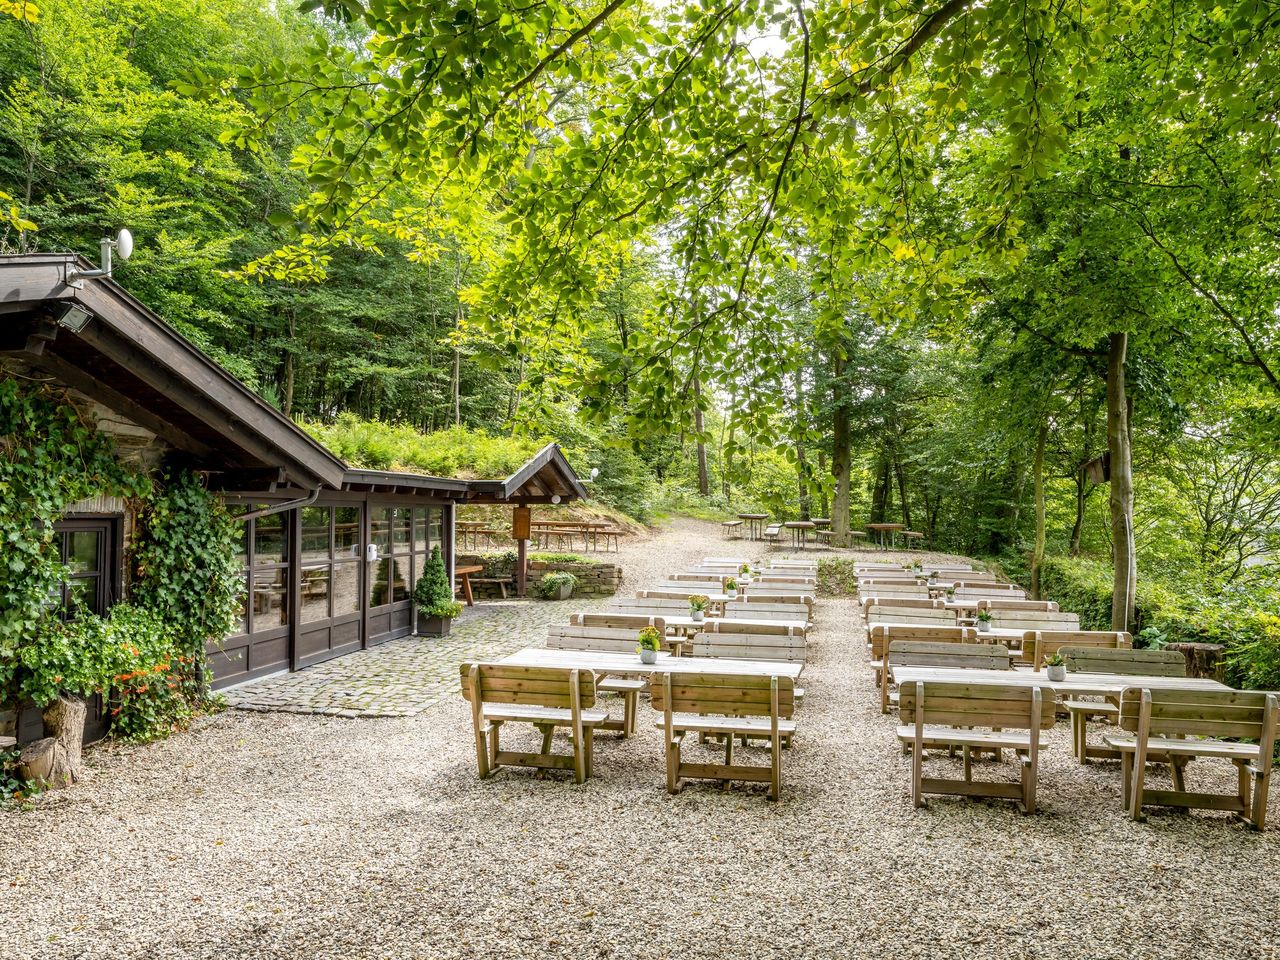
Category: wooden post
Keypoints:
(521, 527)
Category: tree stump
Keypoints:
(1204, 660)
(54, 762)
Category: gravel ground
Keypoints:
(279, 836)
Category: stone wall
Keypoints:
(595, 579)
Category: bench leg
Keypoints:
(1258, 814)
(630, 701)
(494, 747)
(1135, 787)
(968, 764)
(917, 775)
(673, 763)
(775, 759)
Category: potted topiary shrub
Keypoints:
(698, 607)
(433, 596)
(556, 586)
(984, 621)
(648, 643)
(744, 574)
(1057, 667)
(731, 588)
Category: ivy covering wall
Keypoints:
(147, 654)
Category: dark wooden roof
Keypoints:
(130, 360)
(546, 475)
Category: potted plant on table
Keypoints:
(648, 643)
(698, 607)
(744, 574)
(731, 588)
(984, 621)
(433, 596)
(556, 586)
(1056, 666)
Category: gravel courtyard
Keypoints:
(276, 835)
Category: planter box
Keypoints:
(434, 626)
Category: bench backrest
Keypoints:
(766, 611)
(1004, 707)
(726, 695)
(672, 604)
(762, 595)
(701, 576)
(858, 568)
(903, 591)
(1244, 714)
(692, 586)
(683, 593)
(886, 577)
(1034, 620)
(881, 635)
(903, 603)
(1041, 606)
(924, 653)
(621, 621)
(1147, 663)
(982, 593)
(881, 614)
(529, 686)
(776, 629)
(750, 646)
(1039, 644)
(600, 639)
(799, 578)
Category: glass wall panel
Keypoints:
(380, 529)
(346, 588)
(400, 530)
(315, 593)
(270, 599)
(420, 530)
(315, 533)
(346, 532)
(379, 572)
(269, 544)
(400, 588)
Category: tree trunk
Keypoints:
(802, 461)
(286, 398)
(1037, 553)
(880, 495)
(704, 482)
(902, 492)
(1123, 555)
(456, 386)
(1077, 528)
(824, 505)
(841, 462)
(54, 761)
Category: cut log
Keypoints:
(54, 761)
(1204, 660)
(44, 763)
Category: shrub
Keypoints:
(433, 593)
(550, 585)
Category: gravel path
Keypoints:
(280, 836)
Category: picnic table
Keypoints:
(880, 529)
(464, 574)
(755, 523)
(1076, 684)
(800, 531)
(616, 664)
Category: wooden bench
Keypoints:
(881, 635)
(732, 529)
(1014, 605)
(502, 583)
(1126, 662)
(931, 653)
(879, 613)
(937, 714)
(545, 697)
(799, 579)
(1034, 620)
(1157, 721)
(728, 705)
(773, 533)
(913, 537)
(751, 646)
(1039, 644)
(761, 627)
(613, 636)
(892, 591)
(905, 603)
(765, 611)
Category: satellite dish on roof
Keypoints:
(122, 245)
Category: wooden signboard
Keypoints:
(521, 522)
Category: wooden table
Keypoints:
(755, 523)
(464, 574)
(880, 529)
(626, 664)
(1076, 684)
(800, 531)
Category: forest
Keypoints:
(937, 262)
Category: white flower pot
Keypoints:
(1057, 674)
(648, 656)
(697, 615)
